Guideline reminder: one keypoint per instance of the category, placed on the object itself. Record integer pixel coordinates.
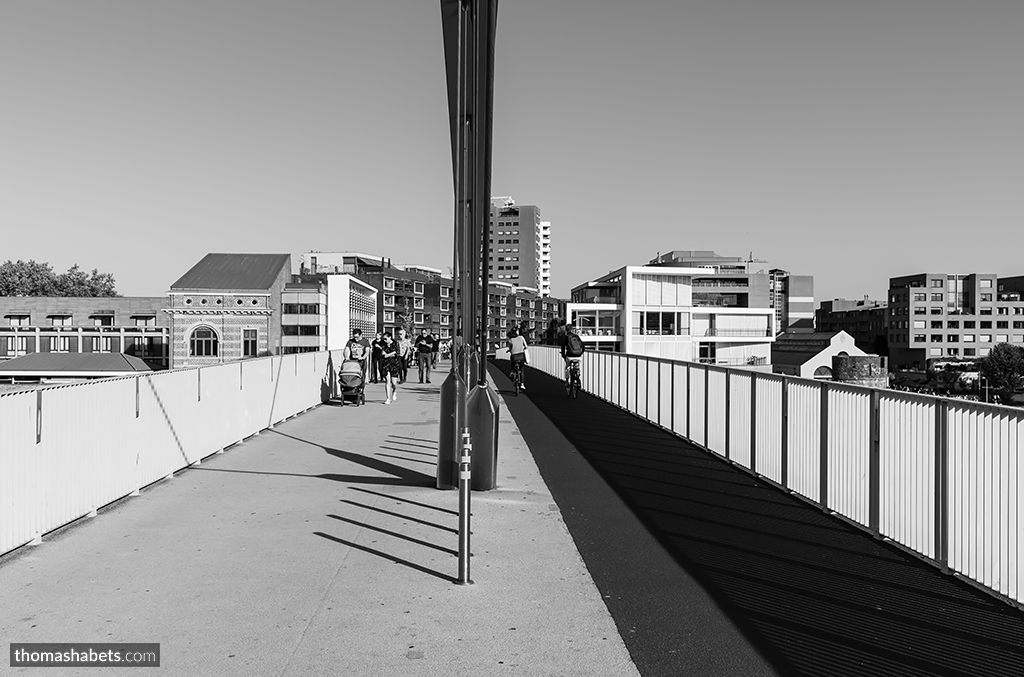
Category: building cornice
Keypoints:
(219, 311)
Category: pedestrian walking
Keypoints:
(376, 359)
(424, 348)
(390, 369)
(405, 353)
(435, 348)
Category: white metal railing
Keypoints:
(67, 450)
(942, 477)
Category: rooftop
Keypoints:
(234, 271)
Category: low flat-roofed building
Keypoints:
(70, 367)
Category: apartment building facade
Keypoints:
(936, 315)
(520, 246)
(525, 310)
(863, 319)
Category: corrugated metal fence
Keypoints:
(66, 451)
(942, 477)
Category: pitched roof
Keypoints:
(234, 271)
(77, 362)
(795, 348)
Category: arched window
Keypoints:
(822, 372)
(203, 343)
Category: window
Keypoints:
(1018, 325)
(953, 351)
(389, 300)
(970, 352)
(985, 284)
(446, 292)
(936, 338)
(985, 338)
(968, 338)
(985, 311)
(968, 324)
(986, 324)
(920, 310)
(937, 297)
(249, 343)
(60, 320)
(144, 320)
(19, 320)
(389, 283)
(936, 324)
(103, 320)
(1002, 325)
(1001, 338)
(918, 324)
(952, 338)
(1018, 338)
(936, 311)
(937, 283)
(986, 298)
(417, 287)
(446, 319)
(417, 304)
(953, 324)
(418, 318)
(446, 305)
(389, 316)
(203, 343)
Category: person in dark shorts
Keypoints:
(358, 349)
(376, 360)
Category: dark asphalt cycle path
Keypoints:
(709, 571)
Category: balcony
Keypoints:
(739, 333)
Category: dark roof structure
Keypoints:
(250, 272)
(55, 363)
(794, 348)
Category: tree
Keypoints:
(29, 278)
(1003, 368)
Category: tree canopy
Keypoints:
(31, 278)
(1004, 369)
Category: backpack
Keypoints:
(573, 345)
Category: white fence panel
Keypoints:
(681, 403)
(665, 394)
(642, 390)
(849, 449)
(803, 438)
(739, 417)
(768, 427)
(907, 470)
(697, 379)
(986, 477)
(716, 395)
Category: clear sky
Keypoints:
(851, 140)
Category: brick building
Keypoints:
(227, 307)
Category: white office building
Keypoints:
(649, 310)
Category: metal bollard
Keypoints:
(465, 477)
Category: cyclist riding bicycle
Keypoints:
(516, 345)
(572, 348)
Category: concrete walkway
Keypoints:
(322, 548)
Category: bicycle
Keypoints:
(516, 375)
(572, 381)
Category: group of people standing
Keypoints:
(387, 358)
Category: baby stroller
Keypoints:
(351, 379)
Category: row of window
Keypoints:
(960, 338)
(149, 346)
(955, 324)
(417, 287)
(67, 320)
(304, 309)
(418, 318)
(204, 342)
(939, 310)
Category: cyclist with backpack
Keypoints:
(517, 355)
(572, 348)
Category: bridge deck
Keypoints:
(321, 547)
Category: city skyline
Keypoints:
(851, 143)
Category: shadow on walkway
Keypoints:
(814, 595)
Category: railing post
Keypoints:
(199, 384)
(785, 432)
(753, 422)
(689, 396)
(728, 398)
(39, 416)
(672, 396)
(823, 448)
(942, 484)
(874, 465)
(136, 397)
(707, 380)
(659, 393)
